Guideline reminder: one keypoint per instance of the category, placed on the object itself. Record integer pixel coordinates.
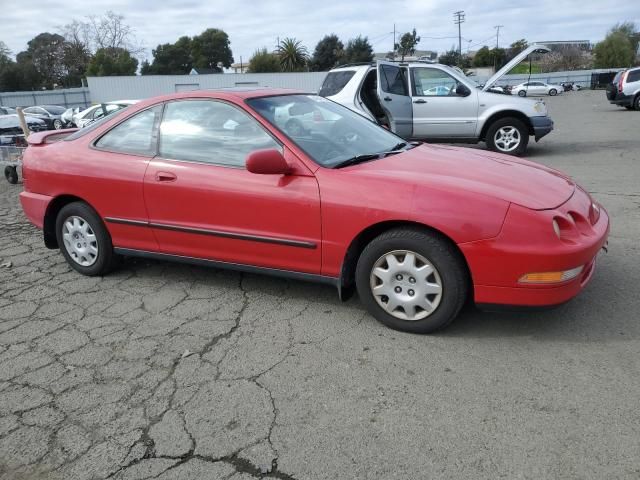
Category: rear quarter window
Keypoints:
(633, 76)
(334, 82)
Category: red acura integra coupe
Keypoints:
(292, 184)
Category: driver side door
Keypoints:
(438, 111)
(393, 92)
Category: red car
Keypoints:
(215, 178)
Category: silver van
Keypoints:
(434, 102)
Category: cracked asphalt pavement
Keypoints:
(166, 371)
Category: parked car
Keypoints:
(214, 178)
(536, 88)
(49, 114)
(438, 103)
(67, 117)
(10, 125)
(95, 112)
(624, 91)
(7, 111)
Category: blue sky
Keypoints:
(255, 24)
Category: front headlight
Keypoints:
(540, 107)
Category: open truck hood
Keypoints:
(515, 61)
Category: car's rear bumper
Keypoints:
(35, 206)
(541, 126)
(622, 100)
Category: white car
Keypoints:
(434, 102)
(536, 88)
(94, 112)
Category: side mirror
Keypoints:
(267, 162)
(462, 90)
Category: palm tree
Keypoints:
(293, 55)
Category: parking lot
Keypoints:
(178, 372)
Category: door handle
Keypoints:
(387, 99)
(166, 177)
(420, 100)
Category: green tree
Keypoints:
(453, 58)
(483, 58)
(46, 53)
(77, 52)
(112, 61)
(358, 50)
(293, 55)
(211, 48)
(619, 47)
(264, 61)
(516, 47)
(407, 44)
(327, 54)
(171, 59)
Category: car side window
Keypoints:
(432, 82)
(633, 76)
(29, 110)
(393, 80)
(135, 135)
(210, 131)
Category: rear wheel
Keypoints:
(636, 102)
(508, 135)
(84, 240)
(57, 124)
(411, 280)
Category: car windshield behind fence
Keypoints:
(326, 131)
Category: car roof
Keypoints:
(232, 93)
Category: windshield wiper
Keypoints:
(357, 159)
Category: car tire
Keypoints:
(636, 102)
(628, 107)
(57, 124)
(553, 92)
(84, 240)
(11, 174)
(443, 288)
(497, 136)
(522, 93)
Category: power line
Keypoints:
(458, 19)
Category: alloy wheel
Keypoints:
(507, 139)
(406, 285)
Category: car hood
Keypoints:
(515, 61)
(500, 176)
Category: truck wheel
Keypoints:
(508, 135)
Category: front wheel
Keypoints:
(508, 135)
(412, 280)
(522, 93)
(553, 92)
(636, 103)
(83, 239)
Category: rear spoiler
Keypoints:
(50, 136)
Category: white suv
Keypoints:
(428, 101)
(624, 90)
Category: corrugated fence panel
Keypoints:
(104, 89)
(68, 97)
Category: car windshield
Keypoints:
(326, 131)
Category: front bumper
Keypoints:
(524, 247)
(541, 126)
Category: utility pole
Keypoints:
(394, 41)
(458, 19)
(498, 27)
